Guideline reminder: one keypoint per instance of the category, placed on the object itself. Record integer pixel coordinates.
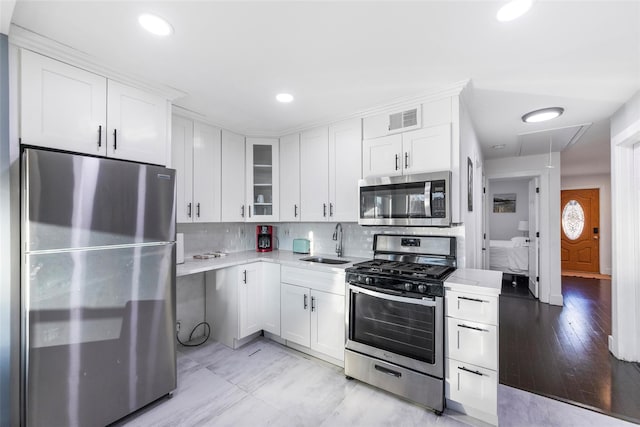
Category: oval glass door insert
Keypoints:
(572, 219)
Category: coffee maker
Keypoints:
(264, 238)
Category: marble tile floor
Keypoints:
(265, 383)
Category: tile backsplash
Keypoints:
(357, 240)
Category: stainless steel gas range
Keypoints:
(395, 316)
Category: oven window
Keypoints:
(402, 328)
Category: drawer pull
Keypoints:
(462, 368)
(387, 371)
(472, 299)
(472, 327)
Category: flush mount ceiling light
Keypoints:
(284, 97)
(498, 146)
(542, 115)
(514, 9)
(155, 25)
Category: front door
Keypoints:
(580, 215)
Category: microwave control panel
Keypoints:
(438, 200)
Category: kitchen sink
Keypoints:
(324, 260)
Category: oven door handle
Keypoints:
(429, 302)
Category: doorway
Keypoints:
(580, 230)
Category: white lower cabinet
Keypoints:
(240, 302)
(471, 343)
(312, 311)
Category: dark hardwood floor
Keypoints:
(562, 352)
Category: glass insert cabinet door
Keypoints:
(262, 170)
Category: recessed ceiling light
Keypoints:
(155, 25)
(498, 146)
(284, 97)
(542, 115)
(514, 9)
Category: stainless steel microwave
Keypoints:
(422, 200)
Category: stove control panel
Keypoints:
(396, 285)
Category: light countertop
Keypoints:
(283, 257)
(488, 282)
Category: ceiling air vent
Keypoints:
(404, 119)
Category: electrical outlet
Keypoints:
(178, 326)
(286, 231)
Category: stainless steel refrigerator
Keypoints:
(98, 287)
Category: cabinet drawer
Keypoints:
(320, 280)
(472, 342)
(471, 386)
(474, 307)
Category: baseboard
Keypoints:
(556, 299)
(606, 271)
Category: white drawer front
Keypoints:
(472, 342)
(477, 308)
(320, 280)
(471, 385)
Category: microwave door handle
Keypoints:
(427, 199)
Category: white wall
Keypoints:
(624, 341)
(603, 183)
(530, 166)
(504, 226)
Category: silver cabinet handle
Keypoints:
(330, 209)
(324, 210)
(295, 211)
(472, 299)
(249, 211)
(189, 210)
(462, 368)
(313, 303)
(198, 210)
(244, 277)
(242, 211)
(396, 162)
(99, 136)
(305, 302)
(472, 327)
(115, 139)
(406, 159)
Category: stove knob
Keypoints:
(422, 288)
(367, 280)
(408, 286)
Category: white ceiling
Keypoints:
(337, 57)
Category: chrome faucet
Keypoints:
(338, 239)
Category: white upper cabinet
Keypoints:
(67, 108)
(182, 162)
(418, 151)
(137, 124)
(427, 150)
(382, 156)
(314, 175)
(232, 205)
(345, 159)
(262, 179)
(290, 178)
(206, 173)
(196, 158)
(62, 107)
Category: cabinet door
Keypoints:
(62, 106)
(290, 178)
(471, 385)
(345, 160)
(137, 126)
(328, 323)
(314, 175)
(262, 179)
(206, 173)
(270, 301)
(427, 150)
(182, 162)
(232, 205)
(382, 156)
(249, 306)
(295, 314)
